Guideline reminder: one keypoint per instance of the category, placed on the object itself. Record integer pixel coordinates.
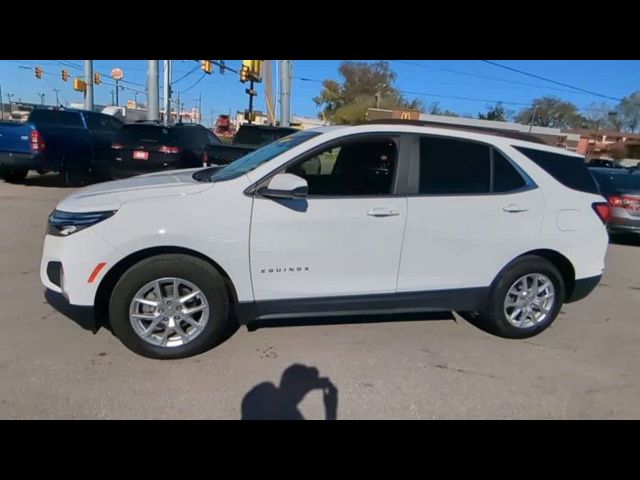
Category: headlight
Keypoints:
(63, 224)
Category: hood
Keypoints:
(112, 195)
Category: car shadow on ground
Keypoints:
(349, 320)
(627, 240)
(267, 401)
(82, 316)
(52, 180)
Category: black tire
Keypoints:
(492, 318)
(192, 269)
(13, 175)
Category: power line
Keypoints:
(473, 99)
(551, 81)
(197, 82)
(186, 75)
(486, 77)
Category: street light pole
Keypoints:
(57, 102)
(1, 103)
(41, 95)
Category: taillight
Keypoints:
(603, 210)
(625, 201)
(117, 146)
(36, 141)
(168, 149)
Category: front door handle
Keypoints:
(515, 208)
(382, 212)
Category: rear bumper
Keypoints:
(583, 287)
(20, 160)
(622, 221)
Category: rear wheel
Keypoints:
(525, 300)
(170, 306)
(12, 174)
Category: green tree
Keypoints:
(629, 112)
(434, 109)
(552, 112)
(496, 113)
(363, 86)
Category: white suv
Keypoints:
(337, 220)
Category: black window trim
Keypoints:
(398, 183)
(415, 159)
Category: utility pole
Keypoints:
(9, 95)
(88, 78)
(167, 92)
(153, 99)
(41, 95)
(57, 90)
(533, 118)
(179, 116)
(285, 93)
(1, 103)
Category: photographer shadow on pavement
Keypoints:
(265, 401)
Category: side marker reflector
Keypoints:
(96, 271)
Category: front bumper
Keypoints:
(68, 262)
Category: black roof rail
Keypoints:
(529, 137)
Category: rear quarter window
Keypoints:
(570, 171)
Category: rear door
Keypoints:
(66, 137)
(472, 210)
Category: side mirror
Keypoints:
(285, 185)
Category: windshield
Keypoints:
(136, 134)
(254, 159)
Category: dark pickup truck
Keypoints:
(55, 140)
(249, 138)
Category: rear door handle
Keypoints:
(514, 208)
(382, 212)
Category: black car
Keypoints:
(250, 137)
(147, 147)
(621, 188)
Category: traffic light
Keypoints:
(97, 78)
(65, 75)
(254, 68)
(39, 72)
(244, 73)
(79, 85)
(207, 66)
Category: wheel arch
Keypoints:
(557, 259)
(113, 275)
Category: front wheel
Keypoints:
(170, 306)
(525, 300)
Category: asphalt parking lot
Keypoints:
(587, 365)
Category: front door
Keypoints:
(345, 238)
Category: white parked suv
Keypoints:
(337, 220)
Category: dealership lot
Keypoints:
(587, 365)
